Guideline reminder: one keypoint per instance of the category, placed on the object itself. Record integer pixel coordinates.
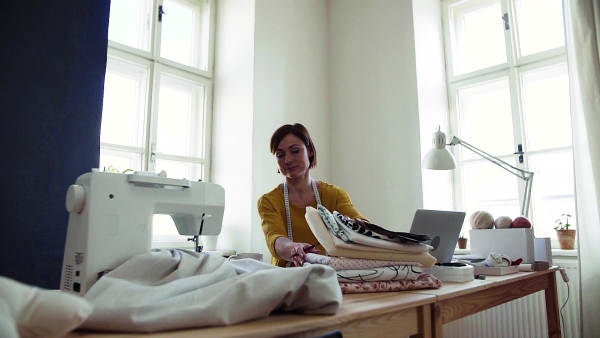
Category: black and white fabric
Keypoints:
(373, 230)
(332, 224)
(354, 226)
(387, 273)
(373, 240)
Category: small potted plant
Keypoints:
(566, 236)
(462, 241)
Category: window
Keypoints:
(509, 88)
(158, 84)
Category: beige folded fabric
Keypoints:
(408, 248)
(315, 222)
(363, 247)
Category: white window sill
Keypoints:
(564, 253)
(555, 252)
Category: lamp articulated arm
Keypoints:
(525, 175)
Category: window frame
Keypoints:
(156, 67)
(513, 70)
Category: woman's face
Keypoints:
(292, 156)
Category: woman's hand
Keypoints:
(299, 256)
(294, 252)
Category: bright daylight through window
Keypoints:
(157, 92)
(509, 90)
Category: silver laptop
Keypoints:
(443, 227)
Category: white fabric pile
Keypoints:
(174, 289)
(28, 311)
(169, 289)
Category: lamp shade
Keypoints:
(439, 158)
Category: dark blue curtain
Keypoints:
(52, 65)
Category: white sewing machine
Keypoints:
(110, 219)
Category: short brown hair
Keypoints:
(301, 132)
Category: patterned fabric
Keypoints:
(373, 230)
(325, 238)
(388, 273)
(349, 223)
(338, 263)
(359, 235)
(332, 224)
(365, 275)
(425, 281)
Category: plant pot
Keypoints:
(566, 239)
(462, 243)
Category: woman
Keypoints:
(296, 155)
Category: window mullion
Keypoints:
(516, 101)
(458, 192)
(156, 30)
(519, 131)
(447, 23)
(153, 92)
(208, 107)
(152, 122)
(211, 16)
(512, 43)
(510, 35)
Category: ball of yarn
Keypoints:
(503, 222)
(521, 222)
(482, 220)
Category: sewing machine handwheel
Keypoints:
(75, 198)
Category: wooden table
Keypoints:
(458, 300)
(419, 313)
(386, 314)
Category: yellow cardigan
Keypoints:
(271, 208)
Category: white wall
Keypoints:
(279, 76)
(290, 86)
(375, 110)
(433, 98)
(347, 69)
(233, 117)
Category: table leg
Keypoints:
(552, 310)
(437, 326)
(424, 317)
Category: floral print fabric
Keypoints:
(425, 281)
(369, 275)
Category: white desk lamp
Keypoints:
(440, 158)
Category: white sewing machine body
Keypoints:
(111, 214)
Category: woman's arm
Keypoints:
(275, 230)
(272, 222)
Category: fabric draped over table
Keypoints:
(373, 267)
(176, 289)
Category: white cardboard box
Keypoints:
(496, 271)
(458, 274)
(543, 249)
(514, 243)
